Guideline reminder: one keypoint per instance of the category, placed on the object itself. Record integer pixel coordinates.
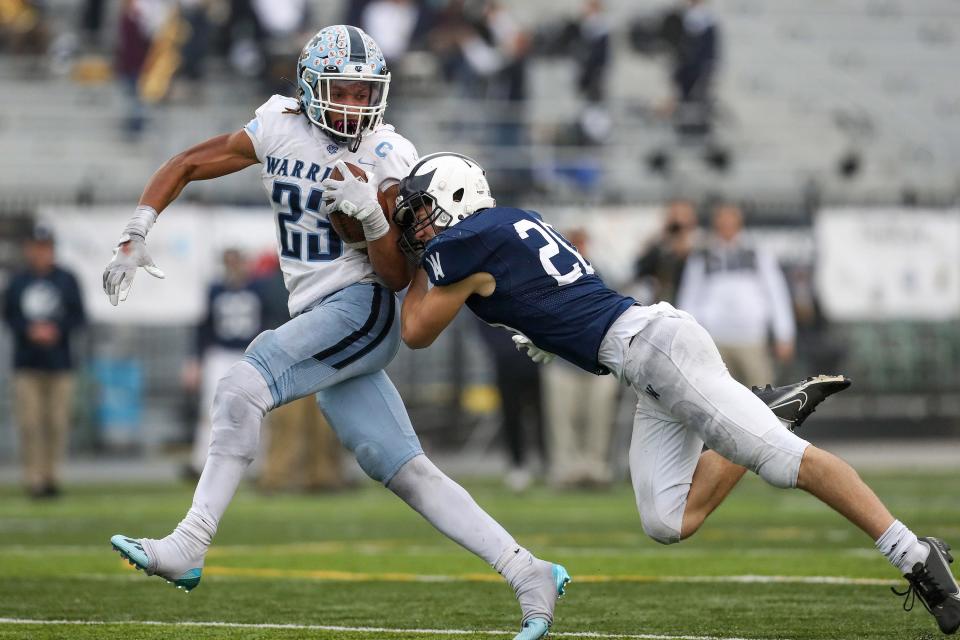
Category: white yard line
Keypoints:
(353, 576)
(384, 630)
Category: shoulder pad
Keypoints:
(454, 255)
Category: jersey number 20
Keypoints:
(323, 246)
(556, 244)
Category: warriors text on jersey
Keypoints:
(296, 157)
(545, 288)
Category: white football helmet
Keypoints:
(450, 186)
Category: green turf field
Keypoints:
(359, 565)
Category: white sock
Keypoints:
(448, 507)
(901, 547)
(532, 582)
(241, 401)
(182, 550)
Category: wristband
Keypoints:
(375, 225)
(140, 223)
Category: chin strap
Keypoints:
(355, 144)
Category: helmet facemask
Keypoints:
(415, 213)
(346, 122)
(339, 66)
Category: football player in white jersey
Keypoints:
(344, 328)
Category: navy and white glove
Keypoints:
(534, 352)
(130, 255)
(357, 199)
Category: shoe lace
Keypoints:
(923, 584)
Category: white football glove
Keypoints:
(534, 352)
(357, 199)
(130, 254)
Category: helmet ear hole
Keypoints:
(458, 195)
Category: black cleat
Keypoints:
(936, 587)
(793, 403)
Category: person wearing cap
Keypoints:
(43, 307)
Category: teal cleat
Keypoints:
(533, 629)
(536, 628)
(134, 553)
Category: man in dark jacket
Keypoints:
(43, 307)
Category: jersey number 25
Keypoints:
(323, 246)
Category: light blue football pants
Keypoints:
(337, 350)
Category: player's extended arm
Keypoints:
(213, 158)
(426, 313)
(385, 254)
(216, 157)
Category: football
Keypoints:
(349, 229)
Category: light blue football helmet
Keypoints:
(342, 53)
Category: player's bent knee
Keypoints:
(239, 404)
(371, 458)
(658, 528)
(779, 460)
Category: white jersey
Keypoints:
(296, 157)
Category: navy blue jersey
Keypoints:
(235, 316)
(545, 288)
(51, 297)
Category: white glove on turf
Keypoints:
(534, 352)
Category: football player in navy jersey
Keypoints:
(511, 268)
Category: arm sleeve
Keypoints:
(690, 294)
(259, 127)
(778, 297)
(454, 256)
(254, 129)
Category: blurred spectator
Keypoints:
(23, 28)
(817, 349)
(44, 307)
(353, 13)
(580, 409)
(521, 406)
(391, 23)
(91, 21)
(692, 36)
(195, 13)
(260, 37)
(585, 40)
(660, 268)
(485, 54)
(738, 292)
(302, 452)
(235, 314)
(133, 44)
(283, 23)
